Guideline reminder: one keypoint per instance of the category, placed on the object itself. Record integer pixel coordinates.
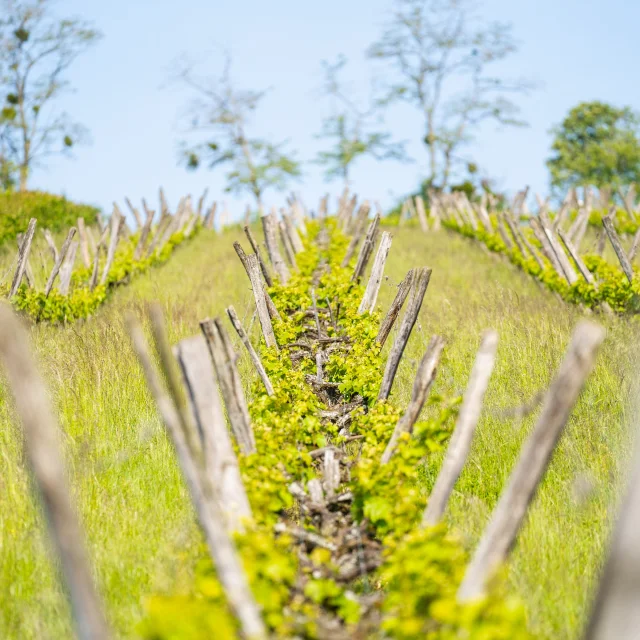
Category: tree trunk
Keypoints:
(24, 176)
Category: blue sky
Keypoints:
(576, 49)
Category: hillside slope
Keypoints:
(142, 534)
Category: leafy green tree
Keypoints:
(442, 56)
(596, 144)
(36, 50)
(218, 116)
(350, 128)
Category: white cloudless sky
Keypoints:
(577, 50)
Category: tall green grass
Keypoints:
(139, 524)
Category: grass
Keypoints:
(136, 513)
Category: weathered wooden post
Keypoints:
(460, 443)
(508, 516)
(42, 448)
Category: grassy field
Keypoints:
(136, 513)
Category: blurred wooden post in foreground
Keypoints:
(42, 447)
(616, 613)
(508, 516)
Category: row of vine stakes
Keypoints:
(210, 466)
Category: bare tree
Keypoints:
(220, 113)
(441, 55)
(36, 50)
(351, 128)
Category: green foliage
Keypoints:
(421, 568)
(81, 301)
(36, 50)
(613, 286)
(596, 144)
(349, 128)
(52, 212)
(223, 112)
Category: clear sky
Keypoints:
(576, 49)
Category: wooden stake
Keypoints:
(42, 448)
(220, 460)
(568, 271)
(23, 256)
(549, 253)
(269, 227)
(135, 212)
(224, 361)
(253, 271)
(144, 235)
(116, 226)
(422, 216)
(271, 307)
(206, 501)
(422, 384)
(532, 250)
(210, 218)
(370, 297)
(84, 245)
(394, 309)
(67, 269)
(96, 260)
(367, 249)
(52, 245)
(460, 443)
(237, 325)
(288, 246)
(617, 247)
(294, 236)
(256, 250)
(419, 288)
(508, 516)
(582, 267)
(58, 264)
(203, 197)
(616, 613)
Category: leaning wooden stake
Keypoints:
(424, 379)
(224, 359)
(422, 215)
(116, 226)
(144, 235)
(288, 245)
(255, 358)
(616, 613)
(294, 236)
(269, 225)
(460, 443)
(394, 310)
(221, 463)
(58, 264)
(205, 497)
(582, 267)
(42, 446)
(23, 256)
(617, 247)
(256, 250)
(84, 244)
(66, 269)
(93, 283)
(272, 311)
(568, 271)
(367, 249)
(52, 245)
(370, 297)
(419, 288)
(508, 516)
(358, 226)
